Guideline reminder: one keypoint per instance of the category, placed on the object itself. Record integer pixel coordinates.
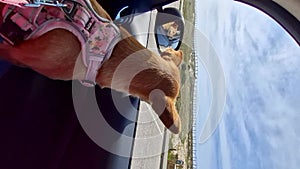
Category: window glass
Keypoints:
(260, 124)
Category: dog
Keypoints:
(131, 68)
(171, 28)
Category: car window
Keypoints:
(259, 127)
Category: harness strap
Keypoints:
(21, 21)
(97, 35)
(18, 3)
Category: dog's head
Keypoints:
(163, 100)
(172, 30)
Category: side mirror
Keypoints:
(169, 29)
(124, 16)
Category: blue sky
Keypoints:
(260, 124)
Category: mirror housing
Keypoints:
(169, 29)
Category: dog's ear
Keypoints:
(173, 55)
(165, 108)
(175, 25)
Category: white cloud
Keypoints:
(260, 128)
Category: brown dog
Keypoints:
(154, 79)
(171, 28)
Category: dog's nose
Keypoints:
(176, 126)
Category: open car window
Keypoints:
(259, 127)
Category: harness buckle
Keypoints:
(88, 83)
(12, 33)
(38, 3)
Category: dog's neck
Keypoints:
(127, 46)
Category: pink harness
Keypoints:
(15, 2)
(97, 35)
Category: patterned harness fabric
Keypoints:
(15, 2)
(97, 35)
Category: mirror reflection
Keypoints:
(168, 35)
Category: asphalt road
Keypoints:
(152, 139)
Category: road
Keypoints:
(152, 139)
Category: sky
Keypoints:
(259, 127)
